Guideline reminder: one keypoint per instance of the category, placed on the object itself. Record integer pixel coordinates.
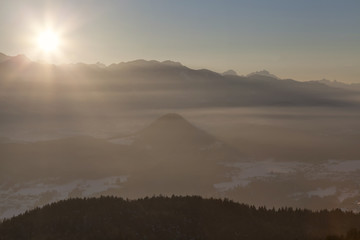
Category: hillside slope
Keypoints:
(172, 218)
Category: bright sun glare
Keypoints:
(48, 41)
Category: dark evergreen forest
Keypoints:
(176, 217)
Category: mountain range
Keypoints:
(144, 84)
(85, 130)
(34, 95)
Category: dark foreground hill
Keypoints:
(175, 218)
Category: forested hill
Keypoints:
(175, 218)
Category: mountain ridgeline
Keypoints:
(144, 84)
(172, 131)
(175, 217)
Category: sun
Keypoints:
(48, 41)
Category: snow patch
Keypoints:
(347, 194)
(20, 197)
(333, 172)
(322, 192)
(252, 170)
(343, 166)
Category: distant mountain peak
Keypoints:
(171, 131)
(170, 122)
(230, 73)
(100, 65)
(4, 57)
(147, 64)
(172, 63)
(263, 73)
(15, 61)
(21, 58)
(171, 117)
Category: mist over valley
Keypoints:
(147, 128)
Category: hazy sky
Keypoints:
(304, 40)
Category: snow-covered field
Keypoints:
(18, 198)
(340, 179)
(243, 173)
